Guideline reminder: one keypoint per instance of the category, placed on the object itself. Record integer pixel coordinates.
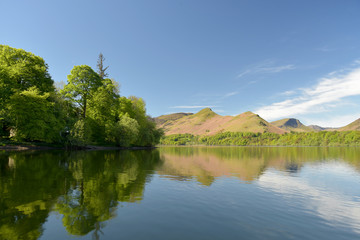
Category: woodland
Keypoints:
(88, 109)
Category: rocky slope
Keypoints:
(292, 125)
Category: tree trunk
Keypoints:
(84, 109)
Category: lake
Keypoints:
(182, 193)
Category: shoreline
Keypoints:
(199, 145)
(23, 147)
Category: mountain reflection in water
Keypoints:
(247, 163)
(87, 188)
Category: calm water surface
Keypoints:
(181, 193)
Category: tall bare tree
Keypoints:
(100, 67)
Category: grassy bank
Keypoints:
(324, 138)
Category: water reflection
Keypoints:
(87, 187)
(205, 164)
(321, 189)
(336, 206)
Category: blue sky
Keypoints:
(276, 58)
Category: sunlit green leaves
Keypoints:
(82, 83)
(34, 117)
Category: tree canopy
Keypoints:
(88, 110)
(34, 116)
(20, 70)
(82, 84)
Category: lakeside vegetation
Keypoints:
(323, 138)
(87, 110)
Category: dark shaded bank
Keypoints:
(35, 147)
(28, 147)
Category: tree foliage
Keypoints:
(123, 132)
(19, 71)
(34, 116)
(324, 138)
(88, 110)
(83, 81)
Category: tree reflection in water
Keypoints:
(86, 187)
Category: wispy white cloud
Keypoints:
(214, 101)
(216, 95)
(325, 95)
(356, 62)
(278, 68)
(288, 93)
(192, 107)
(266, 67)
(325, 49)
(166, 113)
(334, 121)
(230, 94)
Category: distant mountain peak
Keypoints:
(292, 124)
(206, 112)
(248, 114)
(207, 122)
(317, 127)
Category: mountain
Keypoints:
(292, 124)
(316, 127)
(170, 117)
(355, 125)
(207, 122)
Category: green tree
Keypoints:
(81, 132)
(148, 134)
(19, 71)
(104, 109)
(124, 132)
(82, 83)
(35, 117)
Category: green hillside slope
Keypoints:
(355, 125)
(207, 122)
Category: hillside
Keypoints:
(355, 125)
(292, 124)
(170, 117)
(207, 122)
(318, 128)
